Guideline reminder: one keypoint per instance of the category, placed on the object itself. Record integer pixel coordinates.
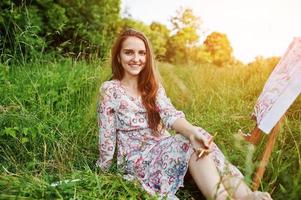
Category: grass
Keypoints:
(49, 132)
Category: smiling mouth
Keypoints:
(135, 66)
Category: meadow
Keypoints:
(49, 132)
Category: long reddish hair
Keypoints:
(148, 80)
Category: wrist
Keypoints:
(193, 133)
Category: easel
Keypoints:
(254, 138)
(275, 100)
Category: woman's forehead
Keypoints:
(133, 43)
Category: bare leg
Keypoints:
(207, 178)
(236, 186)
(212, 185)
(240, 190)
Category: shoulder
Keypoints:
(161, 89)
(108, 93)
(108, 86)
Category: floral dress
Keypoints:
(158, 162)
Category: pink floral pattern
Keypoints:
(158, 162)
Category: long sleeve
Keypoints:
(167, 111)
(107, 127)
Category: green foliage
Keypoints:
(57, 18)
(80, 28)
(83, 184)
(159, 37)
(200, 55)
(20, 28)
(186, 26)
(43, 107)
(91, 28)
(218, 45)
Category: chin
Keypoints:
(135, 73)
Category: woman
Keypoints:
(135, 112)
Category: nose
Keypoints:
(136, 57)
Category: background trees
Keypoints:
(183, 46)
(159, 37)
(185, 36)
(86, 29)
(78, 28)
(218, 46)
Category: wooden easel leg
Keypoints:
(266, 155)
(254, 136)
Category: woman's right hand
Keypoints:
(201, 144)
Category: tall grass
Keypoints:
(221, 100)
(49, 132)
(42, 105)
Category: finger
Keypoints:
(200, 140)
(209, 142)
(205, 141)
(210, 148)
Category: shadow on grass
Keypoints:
(190, 190)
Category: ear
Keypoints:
(118, 58)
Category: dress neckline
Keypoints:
(124, 91)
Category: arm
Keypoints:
(182, 126)
(167, 111)
(107, 128)
(191, 132)
(175, 120)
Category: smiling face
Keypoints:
(132, 56)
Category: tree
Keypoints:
(91, 28)
(200, 55)
(159, 37)
(218, 45)
(80, 27)
(185, 27)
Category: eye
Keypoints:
(128, 52)
(143, 53)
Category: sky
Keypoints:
(254, 27)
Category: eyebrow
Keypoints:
(133, 50)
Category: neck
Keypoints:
(131, 82)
